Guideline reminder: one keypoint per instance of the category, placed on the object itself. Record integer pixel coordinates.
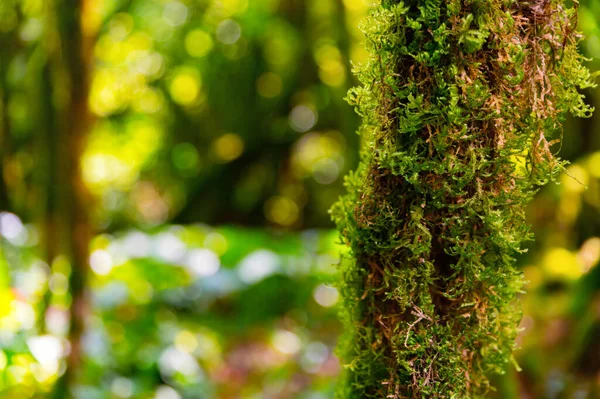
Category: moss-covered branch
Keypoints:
(462, 103)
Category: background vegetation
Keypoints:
(230, 114)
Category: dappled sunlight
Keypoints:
(228, 147)
(114, 158)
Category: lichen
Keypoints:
(462, 104)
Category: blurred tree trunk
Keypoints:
(4, 137)
(349, 119)
(74, 54)
(48, 176)
(7, 44)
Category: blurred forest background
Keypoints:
(166, 169)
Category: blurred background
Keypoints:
(193, 255)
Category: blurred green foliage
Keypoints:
(230, 112)
(189, 95)
(210, 312)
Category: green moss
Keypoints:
(461, 103)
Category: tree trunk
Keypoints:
(7, 41)
(75, 60)
(460, 101)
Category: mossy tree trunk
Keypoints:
(462, 103)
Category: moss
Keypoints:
(462, 103)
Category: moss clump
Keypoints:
(462, 102)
